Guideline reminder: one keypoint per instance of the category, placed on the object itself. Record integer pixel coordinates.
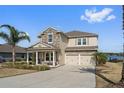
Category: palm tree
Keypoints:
(100, 58)
(13, 38)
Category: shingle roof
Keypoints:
(7, 48)
(80, 48)
(80, 34)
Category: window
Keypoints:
(50, 37)
(81, 41)
(84, 41)
(49, 56)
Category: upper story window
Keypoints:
(50, 37)
(84, 41)
(81, 41)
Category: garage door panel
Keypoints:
(72, 59)
(86, 60)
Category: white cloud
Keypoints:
(94, 16)
(111, 17)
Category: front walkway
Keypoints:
(61, 77)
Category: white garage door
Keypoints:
(79, 59)
(85, 60)
(72, 59)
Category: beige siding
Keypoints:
(71, 42)
(91, 41)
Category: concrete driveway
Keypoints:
(61, 77)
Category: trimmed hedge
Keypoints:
(20, 65)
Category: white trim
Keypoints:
(36, 57)
(82, 41)
(27, 57)
(49, 56)
(53, 58)
(45, 56)
(47, 45)
(87, 41)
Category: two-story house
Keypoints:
(58, 48)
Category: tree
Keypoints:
(13, 38)
(100, 58)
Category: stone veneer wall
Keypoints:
(59, 41)
(56, 38)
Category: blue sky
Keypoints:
(106, 21)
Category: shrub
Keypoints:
(32, 63)
(100, 58)
(7, 64)
(23, 65)
(20, 59)
(42, 67)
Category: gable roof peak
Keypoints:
(52, 28)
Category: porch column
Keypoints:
(36, 57)
(54, 58)
(27, 57)
(44, 57)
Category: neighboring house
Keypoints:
(58, 48)
(6, 52)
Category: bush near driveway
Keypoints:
(101, 58)
(23, 65)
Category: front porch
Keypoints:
(43, 53)
(43, 57)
